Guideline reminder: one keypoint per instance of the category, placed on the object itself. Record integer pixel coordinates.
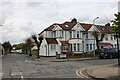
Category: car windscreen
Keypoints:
(104, 49)
(108, 49)
(112, 49)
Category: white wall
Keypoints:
(43, 48)
(52, 50)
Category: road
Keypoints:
(16, 65)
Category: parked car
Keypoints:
(109, 53)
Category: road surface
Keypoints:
(16, 65)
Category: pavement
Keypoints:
(53, 59)
(106, 72)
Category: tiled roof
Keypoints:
(51, 27)
(86, 26)
(107, 29)
(101, 28)
(64, 26)
(64, 42)
(51, 40)
(67, 25)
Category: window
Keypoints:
(78, 47)
(114, 38)
(106, 38)
(54, 33)
(115, 46)
(65, 47)
(86, 35)
(74, 47)
(53, 47)
(81, 47)
(70, 34)
(71, 47)
(90, 46)
(94, 46)
(61, 33)
(111, 37)
(66, 26)
(74, 34)
(78, 35)
(87, 47)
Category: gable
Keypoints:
(93, 28)
(78, 27)
(57, 27)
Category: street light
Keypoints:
(94, 20)
(94, 30)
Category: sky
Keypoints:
(21, 18)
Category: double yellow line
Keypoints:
(80, 74)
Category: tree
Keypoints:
(29, 45)
(7, 47)
(38, 43)
(116, 23)
(116, 28)
(98, 37)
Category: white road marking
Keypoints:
(18, 74)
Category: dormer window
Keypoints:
(66, 26)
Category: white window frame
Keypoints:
(78, 34)
(74, 34)
(70, 34)
(90, 46)
(87, 47)
(86, 35)
(78, 47)
(75, 48)
(65, 48)
(53, 47)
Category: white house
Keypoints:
(73, 37)
(89, 41)
(49, 47)
(68, 35)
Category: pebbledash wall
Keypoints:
(77, 35)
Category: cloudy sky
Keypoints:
(21, 18)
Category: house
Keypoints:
(68, 35)
(49, 47)
(74, 38)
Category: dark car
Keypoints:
(108, 53)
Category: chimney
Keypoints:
(74, 20)
(108, 24)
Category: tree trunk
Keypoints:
(98, 48)
(38, 52)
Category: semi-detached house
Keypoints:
(73, 38)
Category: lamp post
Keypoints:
(94, 30)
